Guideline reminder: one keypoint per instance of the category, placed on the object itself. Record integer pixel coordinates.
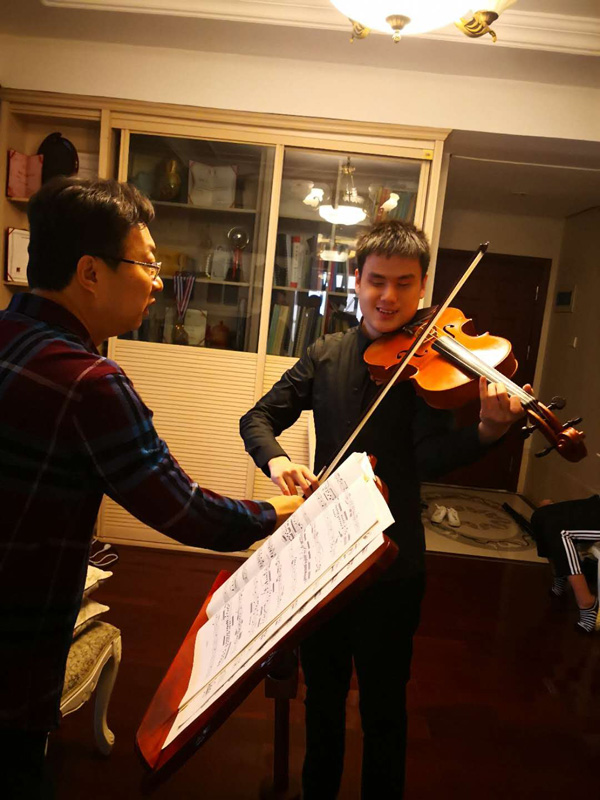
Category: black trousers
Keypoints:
(22, 765)
(548, 523)
(376, 632)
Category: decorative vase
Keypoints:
(219, 335)
(169, 180)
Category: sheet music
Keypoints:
(355, 467)
(252, 655)
(343, 528)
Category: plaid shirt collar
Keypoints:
(53, 314)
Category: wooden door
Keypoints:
(505, 296)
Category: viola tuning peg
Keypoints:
(557, 402)
(527, 430)
(572, 422)
(545, 452)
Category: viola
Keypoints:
(446, 367)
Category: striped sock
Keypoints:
(587, 618)
(558, 586)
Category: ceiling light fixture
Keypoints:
(347, 207)
(411, 17)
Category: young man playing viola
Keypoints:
(411, 442)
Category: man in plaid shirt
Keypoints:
(73, 428)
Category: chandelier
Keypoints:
(410, 17)
(347, 206)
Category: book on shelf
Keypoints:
(405, 209)
(281, 339)
(314, 270)
(278, 337)
(296, 261)
(17, 255)
(307, 324)
(402, 207)
(272, 328)
(286, 586)
(24, 176)
(338, 320)
(282, 255)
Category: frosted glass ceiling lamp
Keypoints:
(347, 206)
(411, 17)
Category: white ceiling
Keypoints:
(314, 30)
(522, 174)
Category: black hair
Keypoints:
(394, 238)
(70, 218)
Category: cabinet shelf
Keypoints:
(296, 289)
(209, 281)
(192, 207)
(18, 199)
(314, 291)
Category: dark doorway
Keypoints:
(506, 296)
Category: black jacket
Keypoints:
(410, 440)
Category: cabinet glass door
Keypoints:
(211, 200)
(327, 201)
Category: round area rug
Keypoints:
(484, 523)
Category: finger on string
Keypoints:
(500, 393)
(483, 390)
(516, 407)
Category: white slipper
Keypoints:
(453, 518)
(439, 513)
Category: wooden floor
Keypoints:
(504, 700)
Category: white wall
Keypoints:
(573, 372)
(539, 237)
(308, 88)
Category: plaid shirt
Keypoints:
(73, 428)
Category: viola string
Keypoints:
(490, 373)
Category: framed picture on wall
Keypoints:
(565, 298)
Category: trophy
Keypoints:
(239, 240)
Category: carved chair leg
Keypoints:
(105, 738)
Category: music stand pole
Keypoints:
(281, 684)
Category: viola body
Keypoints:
(439, 369)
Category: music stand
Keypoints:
(158, 719)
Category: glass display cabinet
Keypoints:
(210, 199)
(328, 199)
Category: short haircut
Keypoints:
(70, 218)
(394, 238)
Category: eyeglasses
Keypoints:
(151, 267)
